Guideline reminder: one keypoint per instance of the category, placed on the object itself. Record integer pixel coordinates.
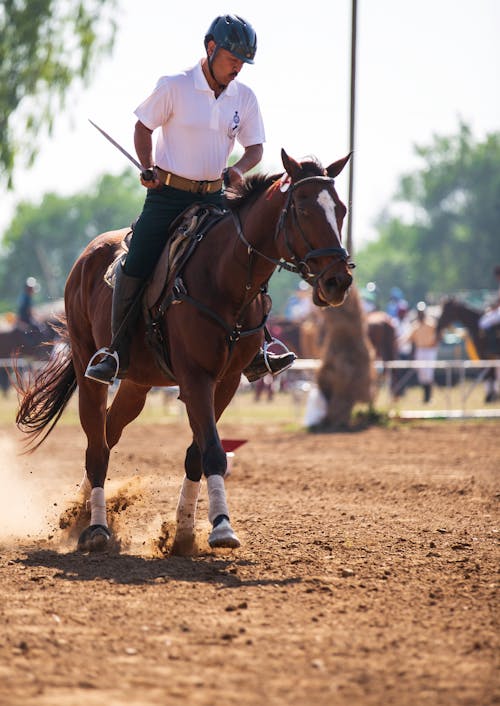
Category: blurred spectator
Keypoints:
(369, 297)
(395, 297)
(25, 319)
(299, 304)
(264, 386)
(422, 335)
(402, 326)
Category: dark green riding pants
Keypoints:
(161, 207)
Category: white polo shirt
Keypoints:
(198, 131)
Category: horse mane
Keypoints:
(254, 185)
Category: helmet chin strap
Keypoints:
(210, 58)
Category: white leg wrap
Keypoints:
(98, 507)
(188, 500)
(217, 504)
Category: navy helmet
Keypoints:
(234, 34)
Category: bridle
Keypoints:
(294, 263)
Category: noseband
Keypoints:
(295, 264)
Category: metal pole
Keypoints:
(352, 122)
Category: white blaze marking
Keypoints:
(327, 203)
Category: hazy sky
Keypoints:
(422, 66)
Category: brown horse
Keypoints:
(293, 221)
(30, 344)
(486, 342)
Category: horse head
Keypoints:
(311, 224)
(447, 316)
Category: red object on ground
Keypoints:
(232, 444)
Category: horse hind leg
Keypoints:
(103, 432)
(97, 536)
(92, 408)
(127, 404)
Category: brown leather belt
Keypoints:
(195, 187)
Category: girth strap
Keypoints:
(234, 332)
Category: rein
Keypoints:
(295, 264)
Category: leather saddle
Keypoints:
(187, 230)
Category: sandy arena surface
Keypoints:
(367, 573)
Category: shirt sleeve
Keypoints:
(252, 129)
(157, 108)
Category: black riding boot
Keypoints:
(427, 393)
(125, 305)
(277, 364)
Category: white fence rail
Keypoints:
(467, 381)
(471, 373)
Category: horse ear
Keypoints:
(292, 167)
(336, 167)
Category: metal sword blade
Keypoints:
(118, 147)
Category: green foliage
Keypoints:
(281, 286)
(451, 241)
(44, 240)
(44, 46)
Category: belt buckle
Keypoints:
(203, 187)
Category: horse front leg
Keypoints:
(206, 455)
(184, 539)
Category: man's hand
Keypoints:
(232, 176)
(149, 178)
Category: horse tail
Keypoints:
(44, 397)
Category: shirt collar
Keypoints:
(201, 83)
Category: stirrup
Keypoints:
(262, 364)
(107, 352)
(266, 353)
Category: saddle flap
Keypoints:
(185, 233)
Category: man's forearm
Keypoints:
(250, 158)
(143, 142)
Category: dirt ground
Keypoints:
(366, 576)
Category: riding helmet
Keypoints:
(234, 34)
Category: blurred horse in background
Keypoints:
(485, 341)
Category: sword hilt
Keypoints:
(149, 174)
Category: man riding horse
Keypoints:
(199, 113)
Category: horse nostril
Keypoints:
(339, 281)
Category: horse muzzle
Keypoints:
(331, 290)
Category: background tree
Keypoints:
(45, 239)
(451, 239)
(45, 45)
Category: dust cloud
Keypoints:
(36, 507)
(29, 504)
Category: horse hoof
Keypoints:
(223, 536)
(184, 544)
(94, 539)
